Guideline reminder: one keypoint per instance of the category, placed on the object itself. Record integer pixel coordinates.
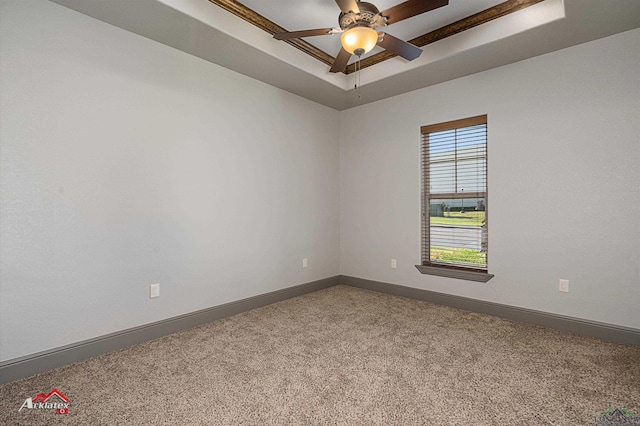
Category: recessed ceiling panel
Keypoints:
(311, 14)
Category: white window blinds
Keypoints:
(454, 198)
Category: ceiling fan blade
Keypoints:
(411, 8)
(348, 5)
(304, 33)
(341, 61)
(399, 47)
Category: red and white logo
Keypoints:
(53, 400)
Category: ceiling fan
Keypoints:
(358, 22)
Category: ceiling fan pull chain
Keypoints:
(355, 77)
(358, 77)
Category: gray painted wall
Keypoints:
(563, 129)
(126, 163)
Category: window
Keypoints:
(454, 199)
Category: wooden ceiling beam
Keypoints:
(272, 28)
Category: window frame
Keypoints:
(437, 268)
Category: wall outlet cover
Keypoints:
(154, 291)
(563, 286)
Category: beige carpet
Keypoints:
(344, 356)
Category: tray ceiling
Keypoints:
(462, 38)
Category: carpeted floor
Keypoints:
(344, 356)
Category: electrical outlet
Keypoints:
(394, 263)
(563, 286)
(305, 263)
(154, 291)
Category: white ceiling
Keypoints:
(203, 29)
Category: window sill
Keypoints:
(455, 273)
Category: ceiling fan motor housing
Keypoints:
(369, 16)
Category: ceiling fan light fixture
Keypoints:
(359, 40)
